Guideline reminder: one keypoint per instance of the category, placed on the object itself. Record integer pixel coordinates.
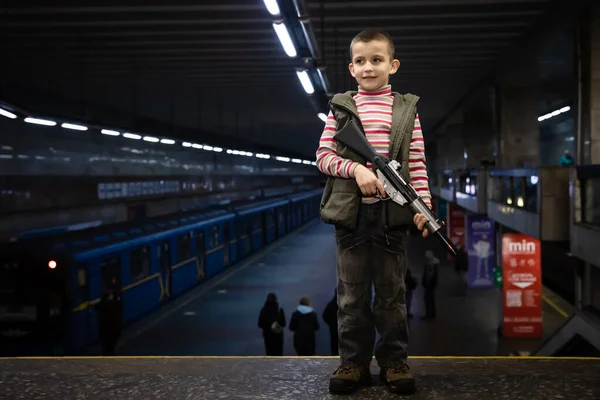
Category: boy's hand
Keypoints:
(368, 182)
(420, 221)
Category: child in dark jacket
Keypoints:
(304, 324)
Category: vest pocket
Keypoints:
(341, 206)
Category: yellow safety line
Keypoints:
(313, 357)
(555, 306)
(219, 247)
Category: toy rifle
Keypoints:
(394, 184)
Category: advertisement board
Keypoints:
(521, 286)
(481, 250)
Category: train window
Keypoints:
(164, 255)
(215, 237)
(184, 247)
(257, 222)
(200, 242)
(244, 226)
(140, 263)
(269, 220)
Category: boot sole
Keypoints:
(400, 387)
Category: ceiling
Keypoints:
(217, 67)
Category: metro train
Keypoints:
(49, 285)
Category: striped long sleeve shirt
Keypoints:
(375, 112)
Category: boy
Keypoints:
(371, 233)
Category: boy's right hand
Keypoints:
(367, 182)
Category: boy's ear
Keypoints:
(394, 66)
(351, 69)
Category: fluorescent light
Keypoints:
(306, 162)
(305, 81)
(151, 139)
(217, 149)
(167, 141)
(553, 113)
(197, 146)
(74, 127)
(132, 136)
(313, 163)
(229, 151)
(38, 121)
(7, 114)
(284, 159)
(296, 160)
(186, 144)
(284, 38)
(109, 132)
(205, 147)
(323, 117)
(272, 6)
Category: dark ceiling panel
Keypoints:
(445, 47)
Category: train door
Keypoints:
(226, 243)
(111, 280)
(249, 228)
(264, 218)
(277, 219)
(164, 268)
(201, 249)
(111, 275)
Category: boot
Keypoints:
(347, 379)
(398, 379)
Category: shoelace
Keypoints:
(400, 369)
(346, 370)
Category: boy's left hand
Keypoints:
(420, 221)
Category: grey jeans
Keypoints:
(366, 257)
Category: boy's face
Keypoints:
(372, 65)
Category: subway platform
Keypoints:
(125, 378)
(220, 317)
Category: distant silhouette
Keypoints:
(430, 280)
(461, 266)
(330, 318)
(272, 321)
(566, 159)
(110, 322)
(304, 324)
(410, 284)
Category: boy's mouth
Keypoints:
(369, 77)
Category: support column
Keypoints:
(479, 130)
(591, 140)
(451, 147)
(519, 130)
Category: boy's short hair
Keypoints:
(374, 34)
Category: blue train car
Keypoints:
(52, 292)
